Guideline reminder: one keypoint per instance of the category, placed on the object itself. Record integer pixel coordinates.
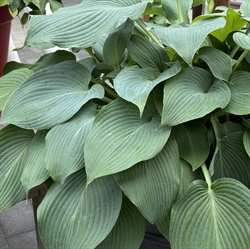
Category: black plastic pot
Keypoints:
(154, 239)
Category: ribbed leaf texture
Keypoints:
(192, 94)
(51, 96)
(216, 217)
(128, 231)
(152, 185)
(83, 217)
(239, 103)
(14, 142)
(195, 34)
(65, 143)
(35, 172)
(135, 84)
(120, 138)
(89, 20)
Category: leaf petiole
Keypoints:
(149, 33)
(206, 175)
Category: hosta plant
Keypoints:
(31, 7)
(154, 125)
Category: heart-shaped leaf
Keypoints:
(35, 172)
(152, 185)
(14, 142)
(51, 96)
(146, 53)
(192, 94)
(230, 158)
(128, 231)
(234, 22)
(216, 217)
(89, 20)
(195, 34)
(240, 94)
(242, 40)
(10, 82)
(193, 143)
(219, 63)
(135, 84)
(65, 144)
(83, 216)
(120, 138)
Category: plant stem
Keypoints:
(214, 122)
(149, 33)
(106, 88)
(236, 48)
(89, 51)
(242, 56)
(206, 175)
(106, 99)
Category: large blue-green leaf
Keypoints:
(230, 158)
(128, 231)
(193, 143)
(120, 138)
(10, 82)
(192, 94)
(51, 96)
(239, 103)
(146, 53)
(65, 143)
(116, 43)
(134, 84)
(88, 21)
(14, 142)
(193, 36)
(177, 11)
(83, 217)
(152, 185)
(216, 217)
(35, 172)
(219, 62)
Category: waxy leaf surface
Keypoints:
(88, 21)
(65, 144)
(135, 84)
(119, 138)
(14, 142)
(239, 103)
(83, 216)
(216, 217)
(192, 94)
(35, 172)
(129, 230)
(152, 185)
(51, 96)
(195, 34)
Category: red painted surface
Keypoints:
(5, 25)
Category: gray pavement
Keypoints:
(17, 226)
